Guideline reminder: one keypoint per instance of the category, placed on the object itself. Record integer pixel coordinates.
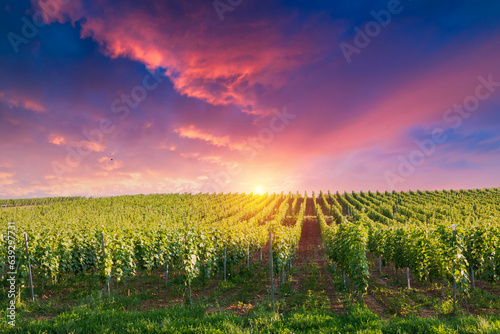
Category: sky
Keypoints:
(107, 97)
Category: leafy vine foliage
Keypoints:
(117, 236)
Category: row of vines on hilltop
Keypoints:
(450, 235)
(197, 235)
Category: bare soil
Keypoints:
(311, 252)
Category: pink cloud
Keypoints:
(203, 59)
(13, 99)
(61, 141)
(192, 132)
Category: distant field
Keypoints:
(426, 262)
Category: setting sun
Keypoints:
(259, 190)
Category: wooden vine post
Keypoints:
(453, 227)
(29, 267)
(271, 269)
(104, 257)
(225, 262)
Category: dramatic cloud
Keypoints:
(203, 58)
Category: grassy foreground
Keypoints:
(304, 310)
(109, 317)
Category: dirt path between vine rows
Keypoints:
(311, 252)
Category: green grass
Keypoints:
(485, 300)
(304, 311)
(107, 318)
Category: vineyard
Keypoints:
(424, 253)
